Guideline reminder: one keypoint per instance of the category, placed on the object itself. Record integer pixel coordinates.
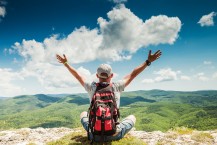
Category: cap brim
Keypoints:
(103, 77)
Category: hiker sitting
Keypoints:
(102, 119)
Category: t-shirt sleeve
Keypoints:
(87, 86)
(90, 88)
(119, 86)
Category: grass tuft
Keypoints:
(203, 137)
(80, 138)
(31, 144)
(183, 130)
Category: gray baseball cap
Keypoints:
(104, 71)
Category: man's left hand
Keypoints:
(155, 56)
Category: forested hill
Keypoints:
(154, 110)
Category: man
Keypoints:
(104, 74)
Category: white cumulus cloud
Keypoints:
(215, 75)
(116, 38)
(125, 32)
(2, 11)
(163, 75)
(81, 46)
(185, 78)
(207, 20)
(147, 81)
(201, 76)
(207, 62)
(6, 78)
(118, 1)
(53, 76)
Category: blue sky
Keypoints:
(118, 32)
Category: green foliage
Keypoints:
(25, 103)
(154, 110)
(55, 115)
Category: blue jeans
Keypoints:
(123, 128)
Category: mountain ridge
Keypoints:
(193, 109)
(85, 94)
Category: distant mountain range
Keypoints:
(57, 95)
(154, 110)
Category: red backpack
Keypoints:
(103, 112)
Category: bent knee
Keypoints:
(83, 114)
(133, 118)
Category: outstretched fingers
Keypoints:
(60, 59)
(149, 52)
(158, 57)
(158, 52)
(64, 56)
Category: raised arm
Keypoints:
(139, 69)
(63, 60)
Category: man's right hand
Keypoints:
(73, 71)
(61, 59)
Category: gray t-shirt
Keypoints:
(118, 87)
